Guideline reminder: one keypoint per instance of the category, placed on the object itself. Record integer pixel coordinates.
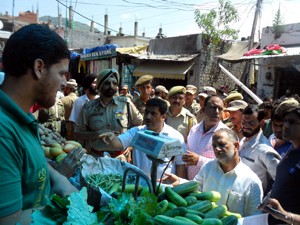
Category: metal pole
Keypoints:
(13, 17)
(249, 92)
(257, 11)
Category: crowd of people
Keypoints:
(248, 152)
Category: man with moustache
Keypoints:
(106, 113)
(199, 140)
(240, 188)
(255, 149)
(179, 117)
(277, 141)
(154, 119)
(190, 99)
(144, 86)
(235, 108)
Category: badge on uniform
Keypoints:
(119, 114)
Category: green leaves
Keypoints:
(126, 210)
(216, 24)
(278, 24)
(71, 210)
(79, 212)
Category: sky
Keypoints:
(173, 16)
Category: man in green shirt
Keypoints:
(35, 61)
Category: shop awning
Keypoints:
(236, 51)
(290, 51)
(164, 69)
(4, 34)
(133, 50)
(174, 57)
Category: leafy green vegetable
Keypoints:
(55, 212)
(61, 202)
(127, 210)
(79, 211)
(72, 210)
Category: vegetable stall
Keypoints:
(118, 193)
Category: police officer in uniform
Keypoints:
(190, 103)
(144, 86)
(106, 113)
(180, 118)
(68, 101)
(54, 117)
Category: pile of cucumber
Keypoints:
(183, 205)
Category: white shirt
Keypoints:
(257, 153)
(140, 158)
(240, 189)
(79, 102)
(59, 95)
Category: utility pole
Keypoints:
(257, 12)
(247, 67)
(13, 16)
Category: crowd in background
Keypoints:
(246, 151)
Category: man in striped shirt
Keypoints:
(199, 141)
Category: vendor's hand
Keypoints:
(190, 158)
(59, 183)
(107, 137)
(273, 203)
(127, 154)
(71, 162)
(170, 178)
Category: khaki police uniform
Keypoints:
(143, 80)
(140, 105)
(68, 102)
(53, 118)
(129, 96)
(182, 122)
(200, 115)
(193, 108)
(117, 117)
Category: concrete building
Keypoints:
(279, 72)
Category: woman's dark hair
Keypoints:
(160, 103)
(29, 43)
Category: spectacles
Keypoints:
(249, 123)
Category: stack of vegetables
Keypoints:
(177, 205)
(55, 147)
(58, 152)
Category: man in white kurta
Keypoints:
(240, 188)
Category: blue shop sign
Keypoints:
(99, 54)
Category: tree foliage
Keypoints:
(278, 24)
(217, 23)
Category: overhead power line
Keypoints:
(87, 17)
